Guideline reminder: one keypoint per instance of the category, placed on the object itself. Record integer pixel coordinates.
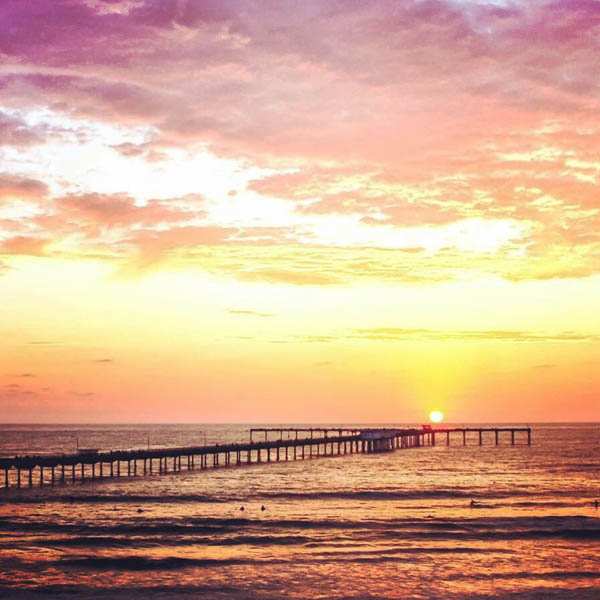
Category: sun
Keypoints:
(436, 416)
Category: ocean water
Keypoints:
(393, 525)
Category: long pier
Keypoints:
(92, 465)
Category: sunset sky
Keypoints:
(316, 210)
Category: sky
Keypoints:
(299, 211)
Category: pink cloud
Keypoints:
(23, 245)
(14, 186)
(15, 132)
(421, 102)
(119, 211)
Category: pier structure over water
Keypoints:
(290, 444)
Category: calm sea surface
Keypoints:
(394, 525)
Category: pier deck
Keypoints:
(53, 469)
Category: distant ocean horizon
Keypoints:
(65, 436)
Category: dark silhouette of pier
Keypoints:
(288, 445)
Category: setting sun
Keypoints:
(436, 416)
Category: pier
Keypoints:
(276, 445)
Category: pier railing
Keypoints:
(92, 465)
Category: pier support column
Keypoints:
(30, 478)
(41, 476)
(62, 473)
(512, 437)
(480, 437)
(447, 438)
(6, 478)
(18, 477)
(496, 436)
(529, 437)
(73, 473)
(464, 437)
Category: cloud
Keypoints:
(291, 277)
(15, 132)
(13, 393)
(22, 245)
(249, 313)
(22, 188)
(117, 210)
(145, 150)
(104, 360)
(391, 116)
(355, 77)
(400, 334)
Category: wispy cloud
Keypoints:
(398, 333)
(249, 313)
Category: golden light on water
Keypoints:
(436, 416)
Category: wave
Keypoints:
(511, 496)
(162, 541)
(142, 563)
(223, 532)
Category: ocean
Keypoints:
(361, 526)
